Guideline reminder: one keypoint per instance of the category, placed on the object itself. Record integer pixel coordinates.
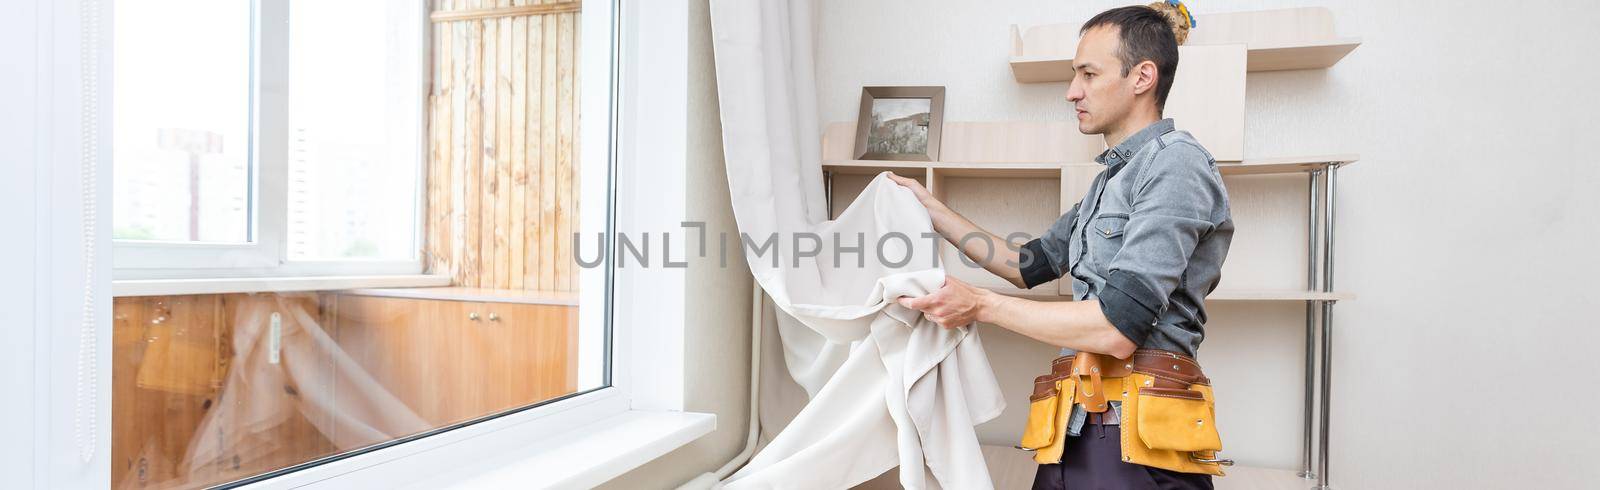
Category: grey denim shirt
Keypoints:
(1148, 239)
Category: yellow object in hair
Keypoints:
(1178, 17)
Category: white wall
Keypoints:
(1467, 230)
(717, 303)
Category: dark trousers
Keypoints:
(1093, 461)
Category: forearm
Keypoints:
(1078, 325)
(982, 247)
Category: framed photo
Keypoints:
(899, 123)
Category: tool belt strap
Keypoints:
(1169, 370)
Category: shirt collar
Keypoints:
(1124, 150)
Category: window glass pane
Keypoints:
(215, 388)
(181, 127)
(354, 100)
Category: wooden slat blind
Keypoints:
(502, 185)
(502, 11)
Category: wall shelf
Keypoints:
(1258, 58)
(1299, 55)
(1286, 165)
(1283, 39)
(1249, 166)
(873, 167)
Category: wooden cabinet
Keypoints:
(447, 355)
(403, 345)
(528, 352)
(453, 360)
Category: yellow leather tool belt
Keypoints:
(1167, 420)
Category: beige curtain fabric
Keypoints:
(886, 387)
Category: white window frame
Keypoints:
(47, 433)
(43, 435)
(267, 255)
(646, 143)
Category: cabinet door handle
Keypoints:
(472, 315)
(494, 317)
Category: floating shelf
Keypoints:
(1218, 295)
(1250, 166)
(871, 167)
(1259, 58)
(1285, 165)
(1283, 39)
(1299, 56)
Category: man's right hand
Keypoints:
(993, 253)
(923, 196)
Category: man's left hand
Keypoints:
(957, 304)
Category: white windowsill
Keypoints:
(585, 456)
(157, 287)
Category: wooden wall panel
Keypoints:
(503, 128)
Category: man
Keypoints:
(1143, 248)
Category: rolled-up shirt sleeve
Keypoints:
(1040, 259)
(1174, 207)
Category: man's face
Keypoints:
(1099, 92)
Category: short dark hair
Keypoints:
(1145, 35)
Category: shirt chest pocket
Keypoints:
(1104, 238)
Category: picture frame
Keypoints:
(899, 123)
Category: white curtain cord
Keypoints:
(85, 410)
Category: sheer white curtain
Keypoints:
(886, 387)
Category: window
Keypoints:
(277, 138)
(182, 129)
(267, 138)
(353, 131)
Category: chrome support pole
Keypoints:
(827, 191)
(1311, 320)
(1327, 326)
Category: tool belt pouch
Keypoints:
(1048, 408)
(1042, 408)
(1180, 420)
(1170, 425)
